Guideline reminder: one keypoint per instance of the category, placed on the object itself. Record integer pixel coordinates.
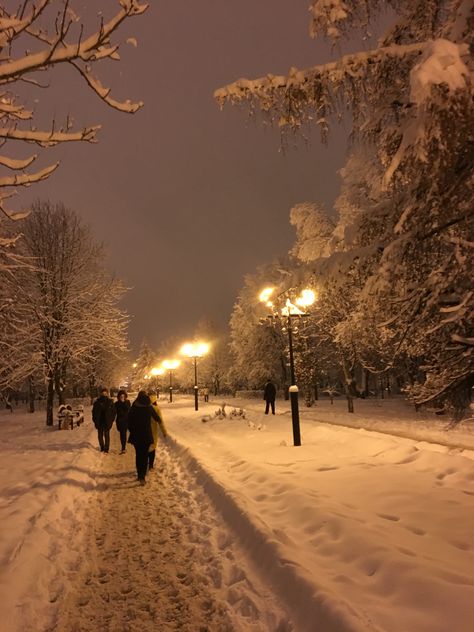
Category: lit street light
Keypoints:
(171, 365)
(157, 372)
(195, 351)
(290, 311)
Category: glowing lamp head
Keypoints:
(201, 349)
(195, 350)
(264, 296)
(156, 371)
(170, 365)
(306, 298)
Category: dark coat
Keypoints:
(121, 410)
(270, 391)
(139, 423)
(103, 412)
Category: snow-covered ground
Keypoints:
(237, 529)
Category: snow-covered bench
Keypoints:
(67, 416)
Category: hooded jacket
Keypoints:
(139, 421)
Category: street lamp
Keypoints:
(156, 372)
(171, 365)
(195, 350)
(306, 298)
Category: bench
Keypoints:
(69, 416)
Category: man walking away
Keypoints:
(141, 435)
(103, 415)
(269, 395)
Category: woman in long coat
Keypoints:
(122, 408)
(141, 436)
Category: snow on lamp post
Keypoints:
(195, 350)
(170, 365)
(306, 298)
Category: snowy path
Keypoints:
(159, 557)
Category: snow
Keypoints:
(357, 529)
(441, 63)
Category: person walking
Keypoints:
(103, 415)
(154, 429)
(269, 395)
(141, 436)
(122, 408)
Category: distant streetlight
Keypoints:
(156, 372)
(195, 350)
(306, 298)
(170, 365)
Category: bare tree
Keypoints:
(35, 37)
(65, 308)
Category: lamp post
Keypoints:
(195, 350)
(171, 365)
(156, 372)
(290, 311)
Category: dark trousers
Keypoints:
(104, 438)
(123, 438)
(270, 402)
(141, 459)
(151, 458)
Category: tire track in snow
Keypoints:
(159, 557)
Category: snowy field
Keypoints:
(238, 530)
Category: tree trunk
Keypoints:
(348, 381)
(31, 395)
(91, 389)
(50, 401)
(58, 385)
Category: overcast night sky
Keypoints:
(189, 199)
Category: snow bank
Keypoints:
(45, 477)
(355, 530)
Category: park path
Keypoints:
(159, 557)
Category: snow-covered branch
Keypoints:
(313, 93)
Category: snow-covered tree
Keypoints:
(64, 308)
(35, 37)
(257, 346)
(314, 229)
(143, 365)
(410, 98)
(214, 366)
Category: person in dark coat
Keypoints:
(103, 415)
(269, 395)
(141, 436)
(122, 407)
